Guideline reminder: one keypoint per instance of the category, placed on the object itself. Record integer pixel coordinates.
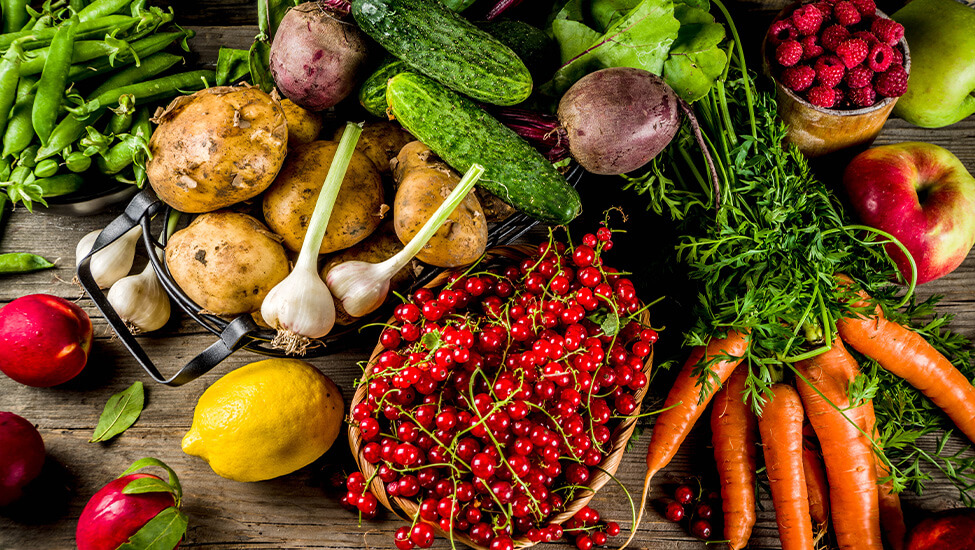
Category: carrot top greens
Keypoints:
(766, 261)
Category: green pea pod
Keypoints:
(72, 127)
(22, 262)
(46, 168)
(76, 161)
(28, 157)
(43, 22)
(100, 8)
(3, 206)
(132, 146)
(58, 185)
(4, 174)
(87, 50)
(54, 77)
(20, 131)
(8, 81)
(177, 83)
(94, 28)
(122, 116)
(14, 15)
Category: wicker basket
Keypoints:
(410, 508)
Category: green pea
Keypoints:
(77, 162)
(46, 168)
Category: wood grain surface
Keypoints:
(301, 510)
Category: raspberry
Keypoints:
(898, 58)
(807, 20)
(863, 97)
(880, 58)
(865, 7)
(821, 96)
(853, 52)
(781, 31)
(846, 13)
(811, 48)
(868, 37)
(825, 8)
(788, 53)
(833, 36)
(893, 82)
(798, 78)
(887, 30)
(830, 71)
(859, 76)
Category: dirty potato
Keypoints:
(381, 141)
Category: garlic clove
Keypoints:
(113, 262)
(141, 301)
(360, 286)
(301, 308)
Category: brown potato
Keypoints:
(424, 183)
(381, 245)
(303, 125)
(226, 262)
(217, 147)
(290, 201)
(380, 141)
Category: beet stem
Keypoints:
(341, 7)
(501, 7)
(543, 131)
(689, 113)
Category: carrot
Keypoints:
(685, 403)
(781, 429)
(891, 513)
(816, 485)
(734, 434)
(847, 452)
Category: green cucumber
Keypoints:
(441, 44)
(462, 134)
(372, 93)
(458, 5)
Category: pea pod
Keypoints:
(125, 151)
(58, 185)
(28, 157)
(142, 48)
(46, 168)
(43, 22)
(86, 50)
(3, 204)
(14, 15)
(4, 174)
(20, 132)
(54, 77)
(76, 161)
(93, 28)
(22, 262)
(194, 80)
(100, 8)
(8, 81)
(121, 120)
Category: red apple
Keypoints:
(21, 455)
(922, 195)
(948, 530)
(44, 340)
(111, 517)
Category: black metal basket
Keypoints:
(241, 332)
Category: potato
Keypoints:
(303, 125)
(380, 141)
(381, 245)
(226, 262)
(217, 147)
(424, 183)
(290, 201)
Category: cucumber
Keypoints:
(458, 5)
(441, 44)
(462, 134)
(372, 93)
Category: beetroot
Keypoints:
(318, 58)
(617, 119)
(44, 340)
(22, 455)
(111, 517)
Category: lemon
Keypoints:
(265, 420)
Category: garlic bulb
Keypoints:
(113, 262)
(141, 301)
(301, 307)
(362, 286)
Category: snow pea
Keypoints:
(20, 132)
(54, 79)
(8, 81)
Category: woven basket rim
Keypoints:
(607, 468)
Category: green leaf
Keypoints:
(696, 58)
(147, 485)
(431, 340)
(641, 39)
(607, 320)
(149, 461)
(606, 12)
(121, 411)
(162, 532)
(631, 442)
(21, 262)
(232, 65)
(260, 68)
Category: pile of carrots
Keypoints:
(828, 473)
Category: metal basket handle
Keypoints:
(139, 212)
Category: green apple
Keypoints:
(941, 37)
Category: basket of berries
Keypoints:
(839, 67)
(500, 399)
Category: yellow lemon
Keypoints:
(265, 420)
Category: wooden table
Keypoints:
(300, 510)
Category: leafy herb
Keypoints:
(121, 411)
(162, 532)
(696, 58)
(607, 319)
(173, 485)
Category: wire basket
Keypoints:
(241, 332)
(607, 469)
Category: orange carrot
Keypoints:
(847, 452)
(781, 429)
(734, 431)
(816, 485)
(891, 513)
(906, 354)
(686, 402)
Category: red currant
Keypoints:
(684, 494)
